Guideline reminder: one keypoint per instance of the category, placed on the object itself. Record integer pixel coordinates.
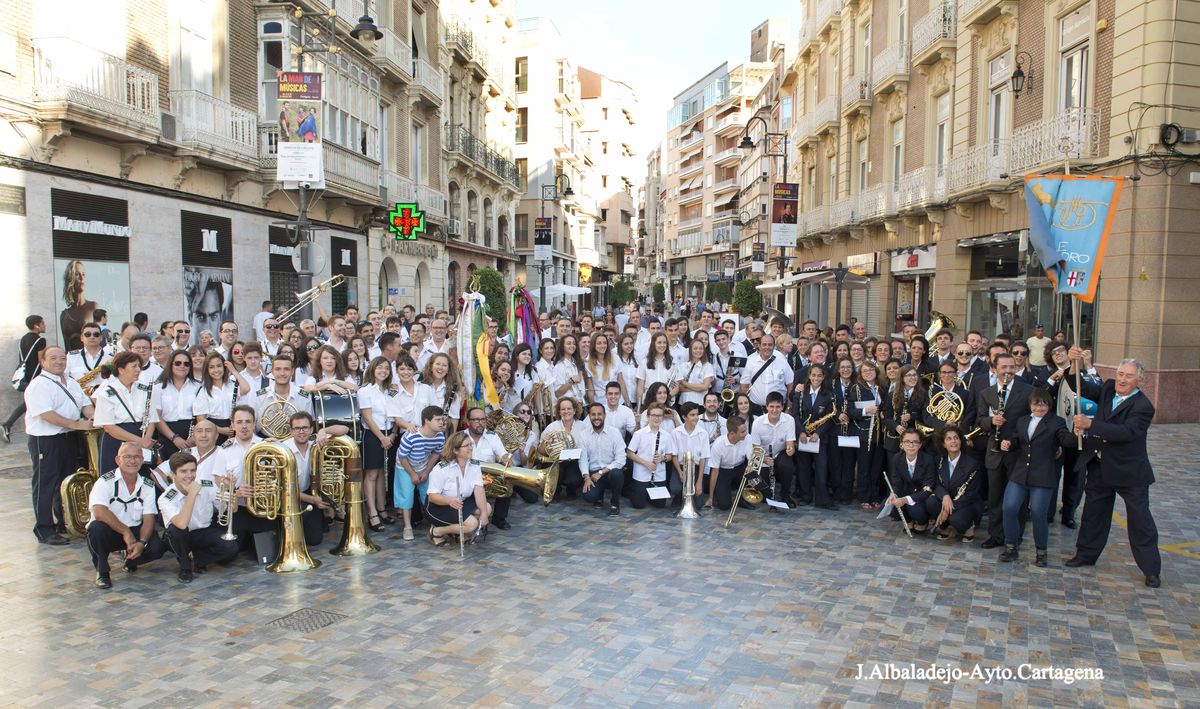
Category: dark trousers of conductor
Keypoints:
(612, 481)
(205, 546)
(997, 479)
(726, 486)
(639, 498)
(1072, 486)
(102, 540)
(53, 457)
(1096, 522)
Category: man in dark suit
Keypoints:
(1114, 456)
(913, 475)
(1012, 397)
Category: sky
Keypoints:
(659, 47)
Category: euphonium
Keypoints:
(77, 487)
(503, 477)
(271, 468)
(337, 475)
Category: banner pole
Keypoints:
(1078, 404)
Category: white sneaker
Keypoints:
(408, 535)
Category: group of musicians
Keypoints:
(639, 406)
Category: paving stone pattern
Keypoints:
(573, 608)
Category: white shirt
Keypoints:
(45, 394)
(668, 421)
(563, 371)
(303, 470)
(437, 397)
(773, 437)
(599, 449)
(723, 454)
(620, 419)
(407, 406)
(218, 404)
(629, 373)
(150, 373)
(233, 458)
(601, 376)
(679, 352)
(777, 377)
(260, 319)
(653, 374)
(176, 404)
(643, 445)
(714, 427)
(116, 404)
(488, 449)
(270, 349)
(686, 372)
(450, 480)
(695, 442)
(1033, 422)
(127, 505)
(171, 503)
(206, 467)
(373, 402)
(79, 362)
(431, 349)
(641, 345)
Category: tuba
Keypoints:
(337, 475)
(77, 487)
(271, 469)
(500, 479)
(939, 322)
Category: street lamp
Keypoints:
(839, 275)
(780, 141)
(1020, 80)
(550, 193)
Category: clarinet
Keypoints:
(654, 466)
(233, 401)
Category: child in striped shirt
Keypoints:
(416, 456)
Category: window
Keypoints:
(418, 153)
(997, 109)
(897, 152)
(785, 111)
(522, 222)
(866, 48)
(523, 171)
(811, 188)
(195, 50)
(863, 165)
(941, 133)
(604, 147)
(603, 215)
(831, 168)
(522, 72)
(562, 78)
(604, 113)
(1074, 33)
(522, 125)
(604, 181)
(351, 105)
(902, 21)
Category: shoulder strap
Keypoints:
(762, 369)
(64, 389)
(27, 355)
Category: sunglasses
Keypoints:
(270, 327)
(183, 332)
(1020, 353)
(91, 334)
(181, 364)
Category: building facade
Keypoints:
(914, 122)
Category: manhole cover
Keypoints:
(306, 620)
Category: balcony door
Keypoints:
(194, 47)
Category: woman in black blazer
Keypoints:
(810, 405)
(955, 503)
(1034, 473)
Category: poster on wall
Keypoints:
(785, 198)
(90, 235)
(906, 292)
(207, 298)
(758, 259)
(300, 128)
(629, 265)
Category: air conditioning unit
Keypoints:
(170, 130)
(454, 227)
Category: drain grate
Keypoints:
(306, 620)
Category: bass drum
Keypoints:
(338, 409)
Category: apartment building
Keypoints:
(610, 110)
(552, 155)
(479, 126)
(917, 119)
(652, 262)
(700, 175)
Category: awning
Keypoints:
(853, 281)
(559, 289)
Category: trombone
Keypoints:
(306, 298)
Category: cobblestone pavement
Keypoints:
(574, 608)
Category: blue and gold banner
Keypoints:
(1070, 217)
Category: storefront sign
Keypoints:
(919, 260)
(864, 264)
(815, 265)
(420, 249)
(406, 221)
(207, 243)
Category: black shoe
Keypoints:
(991, 544)
(103, 581)
(614, 511)
(131, 567)
(1069, 523)
(6, 431)
(185, 576)
(826, 506)
(200, 568)
(1042, 559)
(501, 524)
(61, 529)
(55, 541)
(747, 505)
(1010, 553)
(1153, 581)
(1077, 561)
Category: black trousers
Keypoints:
(1072, 486)
(612, 481)
(1096, 522)
(812, 470)
(569, 477)
(53, 457)
(843, 469)
(639, 498)
(102, 540)
(869, 469)
(246, 525)
(962, 518)
(204, 545)
(726, 486)
(997, 480)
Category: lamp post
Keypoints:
(839, 276)
(550, 193)
(780, 142)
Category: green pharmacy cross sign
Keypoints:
(406, 221)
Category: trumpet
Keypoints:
(226, 507)
(306, 298)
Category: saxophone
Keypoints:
(85, 382)
(812, 426)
